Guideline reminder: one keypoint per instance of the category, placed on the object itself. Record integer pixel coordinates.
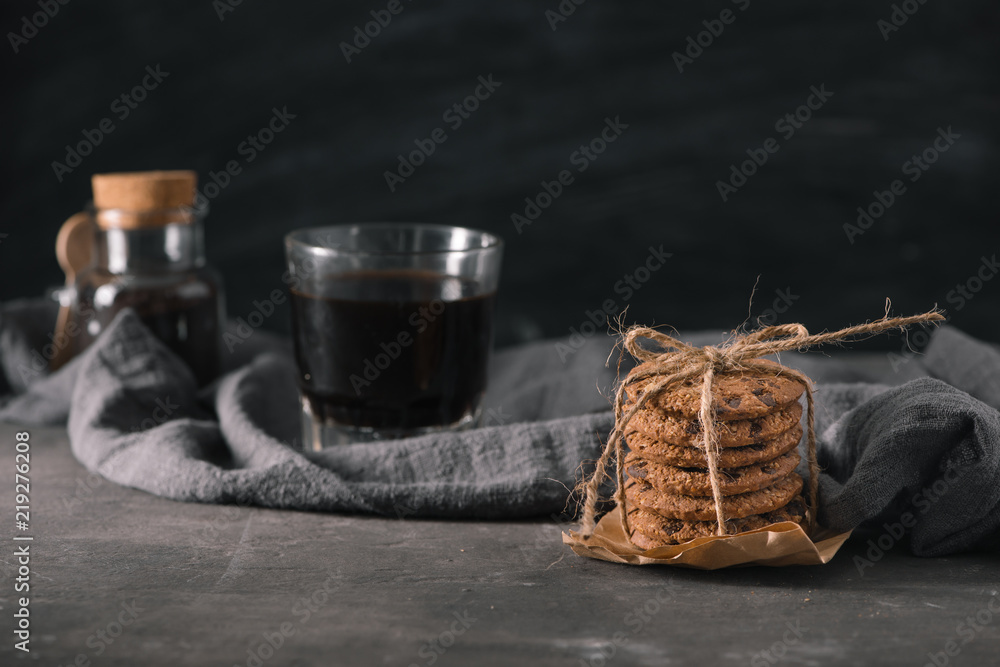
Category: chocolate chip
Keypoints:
(768, 400)
(767, 470)
(734, 402)
(755, 429)
(633, 471)
(758, 391)
(693, 428)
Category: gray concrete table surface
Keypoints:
(120, 577)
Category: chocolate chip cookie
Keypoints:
(702, 508)
(729, 457)
(746, 395)
(651, 530)
(677, 430)
(695, 481)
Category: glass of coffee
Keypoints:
(393, 328)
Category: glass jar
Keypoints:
(141, 246)
(161, 273)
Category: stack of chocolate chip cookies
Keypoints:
(668, 491)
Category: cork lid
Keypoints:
(132, 200)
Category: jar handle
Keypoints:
(74, 246)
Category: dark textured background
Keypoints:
(655, 185)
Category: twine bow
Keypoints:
(675, 362)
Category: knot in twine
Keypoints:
(673, 362)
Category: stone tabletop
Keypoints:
(120, 577)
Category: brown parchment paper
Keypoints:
(776, 545)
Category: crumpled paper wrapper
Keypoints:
(777, 545)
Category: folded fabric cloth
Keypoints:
(136, 417)
(924, 455)
(925, 447)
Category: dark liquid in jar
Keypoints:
(184, 316)
(392, 349)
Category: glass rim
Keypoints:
(294, 239)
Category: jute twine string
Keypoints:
(674, 362)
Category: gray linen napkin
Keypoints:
(136, 417)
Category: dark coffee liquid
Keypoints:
(185, 316)
(392, 349)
